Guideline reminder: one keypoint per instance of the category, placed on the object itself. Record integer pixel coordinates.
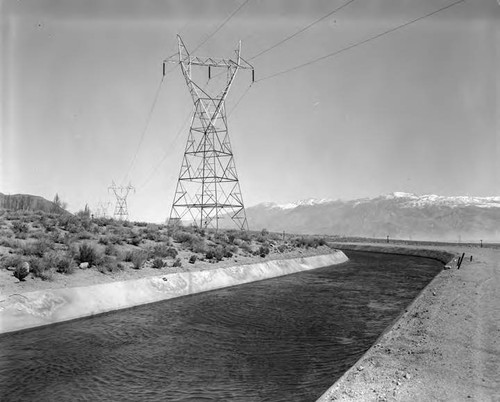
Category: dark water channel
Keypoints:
(284, 339)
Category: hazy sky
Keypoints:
(415, 110)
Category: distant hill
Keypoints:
(29, 202)
(399, 215)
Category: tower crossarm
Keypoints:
(183, 57)
(211, 62)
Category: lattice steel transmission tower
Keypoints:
(121, 194)
(101, 210)
(208, 188)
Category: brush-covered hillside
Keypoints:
(28, 202)
(45, 245)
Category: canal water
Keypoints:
(283, 339)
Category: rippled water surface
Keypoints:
(284, 339)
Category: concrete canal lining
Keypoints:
(44, 307)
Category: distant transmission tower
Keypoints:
(208, 188)
(102, 209)
(121, 194)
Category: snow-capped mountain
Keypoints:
(399, 215)
(413, 200)
(291, 205)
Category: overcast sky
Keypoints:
(415, 110)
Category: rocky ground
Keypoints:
(444, 347)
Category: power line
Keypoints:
(301, 30)
(220, 26)
(146, 126)
(157, 166)
(238, 101)
(360, 43)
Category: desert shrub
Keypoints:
(111, 249)
(135, 240)
(308, 242)
(158, 263)
(42, 267)
(37, 248)
(198, 245)
(162, 250)
(153, 236)
(182, 237)
(56, 236)
(264, 232)
(104, 240)
(84, 235)
(232, 249)
(86, 223)
(221, 238)
(128, 256)
(11, 261)
(261, 239)
(177, 263)
(245, 246)
(243, 235)
(210, 254)
(88, 253)
(11, 243)
(199, 231)
(115, 239)
(219, 253)
(193, 259)
(227, 253)
(21, 271)
(263, 251)
(39, 235)
(69, 222)
(65, 264)
(139, 257)
(216, 253)
(282, 248)
(109, 264)
(19, 227)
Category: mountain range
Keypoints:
(398, 215)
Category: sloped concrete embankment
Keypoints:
(33, 309)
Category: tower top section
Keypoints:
(185, 58)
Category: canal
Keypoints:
(282, 339)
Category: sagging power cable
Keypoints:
(345, 49)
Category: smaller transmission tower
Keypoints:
(102, 209)
(121, 194)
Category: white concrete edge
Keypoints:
(44, 307)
